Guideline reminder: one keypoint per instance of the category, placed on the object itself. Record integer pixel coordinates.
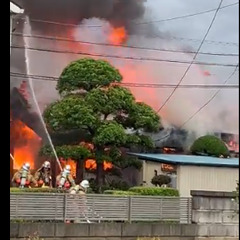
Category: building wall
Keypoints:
(205, 178)
(148, 171)
(214, 207)
(123, 231)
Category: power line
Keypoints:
(125, 57)
(203, 106)
(122, 46)
(213, 96)
(194, 57)
(136, 23)
(198, 40)
(188, 15)
(129, 84)
(162, 20)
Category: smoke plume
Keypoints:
(117, 12)
(108, 16)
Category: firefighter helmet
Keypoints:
(84, 184)
(26, 166)
(46, 164)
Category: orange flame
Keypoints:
(72, 164)
(91, 165)
(27, 144)
(117, 36)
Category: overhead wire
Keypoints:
(123, 46)
(136, 23)
(124, 57)
(203, 106)
(133, 85)
(210, 99)
(194, 57)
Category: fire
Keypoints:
(91, 165)
(138, 74)
(26, 144)
(206, 73)
(72, 164)
(117, 36)
(169, 150)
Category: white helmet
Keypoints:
(26, 166)
(46, 164)
(67, 168)
(84, 184)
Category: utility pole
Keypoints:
(14, 10)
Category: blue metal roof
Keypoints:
(189, 160)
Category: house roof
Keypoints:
(189, 160)
(14, 8)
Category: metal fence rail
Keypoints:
(94, 207)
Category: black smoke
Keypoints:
(116, 12)
(172, 138)
(21, 110)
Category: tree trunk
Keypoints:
(11, 160)
(54, 168)
(99, 176)
(79, 171)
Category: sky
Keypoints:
(221, 114)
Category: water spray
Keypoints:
(11, 156)
(27, 30)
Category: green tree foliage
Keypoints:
(108, 114)
(210, 145)
(72, 112)
(159, 180)
(74, 152)
(110, 133)
(111, 100)
(151, 191)
(87, 74)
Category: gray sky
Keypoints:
(220, 115)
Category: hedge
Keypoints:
(119, 192)
(35, 190)
(150, 191)
(155, 191)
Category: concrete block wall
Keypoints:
(214, 207)
(123, 231)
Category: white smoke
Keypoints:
(221, 115)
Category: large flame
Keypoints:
(26, 144)
(117, 36)
(72, 164)
(90, 164)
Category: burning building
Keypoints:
(113, 22)
(232, 142)
(90, 26)
(26, 135)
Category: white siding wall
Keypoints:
(206, 178)
(148, 171)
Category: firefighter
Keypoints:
(81, 188)
(23, 178)
(65, 179)
(81, 203)
(43, 175)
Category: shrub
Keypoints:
(113, 185)
(155, 191)
(159, 180)
(119, 192)
(119, 185)
(35, 190)
(210, 145)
